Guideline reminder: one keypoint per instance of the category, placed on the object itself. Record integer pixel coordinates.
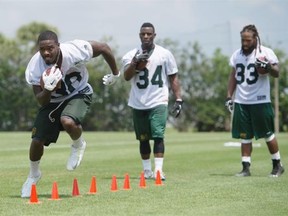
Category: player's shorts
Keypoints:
(255, 120)
(150, 124)
(47, 125)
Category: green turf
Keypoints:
(199, 170)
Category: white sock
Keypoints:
(158, 164)
(34, 168)
(78, 142)
(146, 164)
(246, 159)
(275, 156)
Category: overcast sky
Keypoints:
(213, 23)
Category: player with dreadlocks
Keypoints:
(248, 98)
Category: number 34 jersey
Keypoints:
(251, 88)
(150, 86)
(75, 75)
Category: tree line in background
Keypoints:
(203, 80)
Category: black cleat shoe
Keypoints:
(278, 169)
(245, 171)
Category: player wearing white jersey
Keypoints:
(252, 87)
(151, 69)
(64, 95)
(74, 55)
(161, 65)
(248, 97)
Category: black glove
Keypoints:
(177, 107)
(229, 104)
(262, 63)
(140, 61)
(141, 57)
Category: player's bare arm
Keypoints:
(231, 84)
(43, 96)
(104, 50)
(137, 64)
(175, 86)
(129, 71)
(274, 70)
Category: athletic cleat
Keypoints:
(162, 175)
(245, 171)
(148, 174)
(277, 170)
(76, 156)
(26, 188)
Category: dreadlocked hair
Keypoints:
(253, 29)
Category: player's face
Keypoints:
(147, 36)
(49, 50)
(248, 42)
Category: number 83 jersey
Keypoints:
(150, 86)
(251, 88)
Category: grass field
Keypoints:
(199, 170)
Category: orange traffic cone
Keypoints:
(142, 183)
(126, 183)
(158, 180)
(34, 197)
(75, 191)
(114, 184)
(54, 193)
(93, 188)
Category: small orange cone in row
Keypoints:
(142, 183)
(54, 193)
(75, 191)
(93, 187)
(158, 180)
(34, 196)
(114, 187)
(126, 185)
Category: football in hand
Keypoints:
(141, 65)
(261, 70)
(48, 71)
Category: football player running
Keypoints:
(151, 69)
(63, 107)
(248, 97)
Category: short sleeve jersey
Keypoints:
(251, 88)
(75, 75)
(150, 87)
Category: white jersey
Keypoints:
(150, 87)
(75, 75)
(251, 88)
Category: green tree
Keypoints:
(109, 110)
(203, 80)
(17, 100)
(282, 90)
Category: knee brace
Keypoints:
(246, 141)
(145, 147)
(158, 146)
(270, 138)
